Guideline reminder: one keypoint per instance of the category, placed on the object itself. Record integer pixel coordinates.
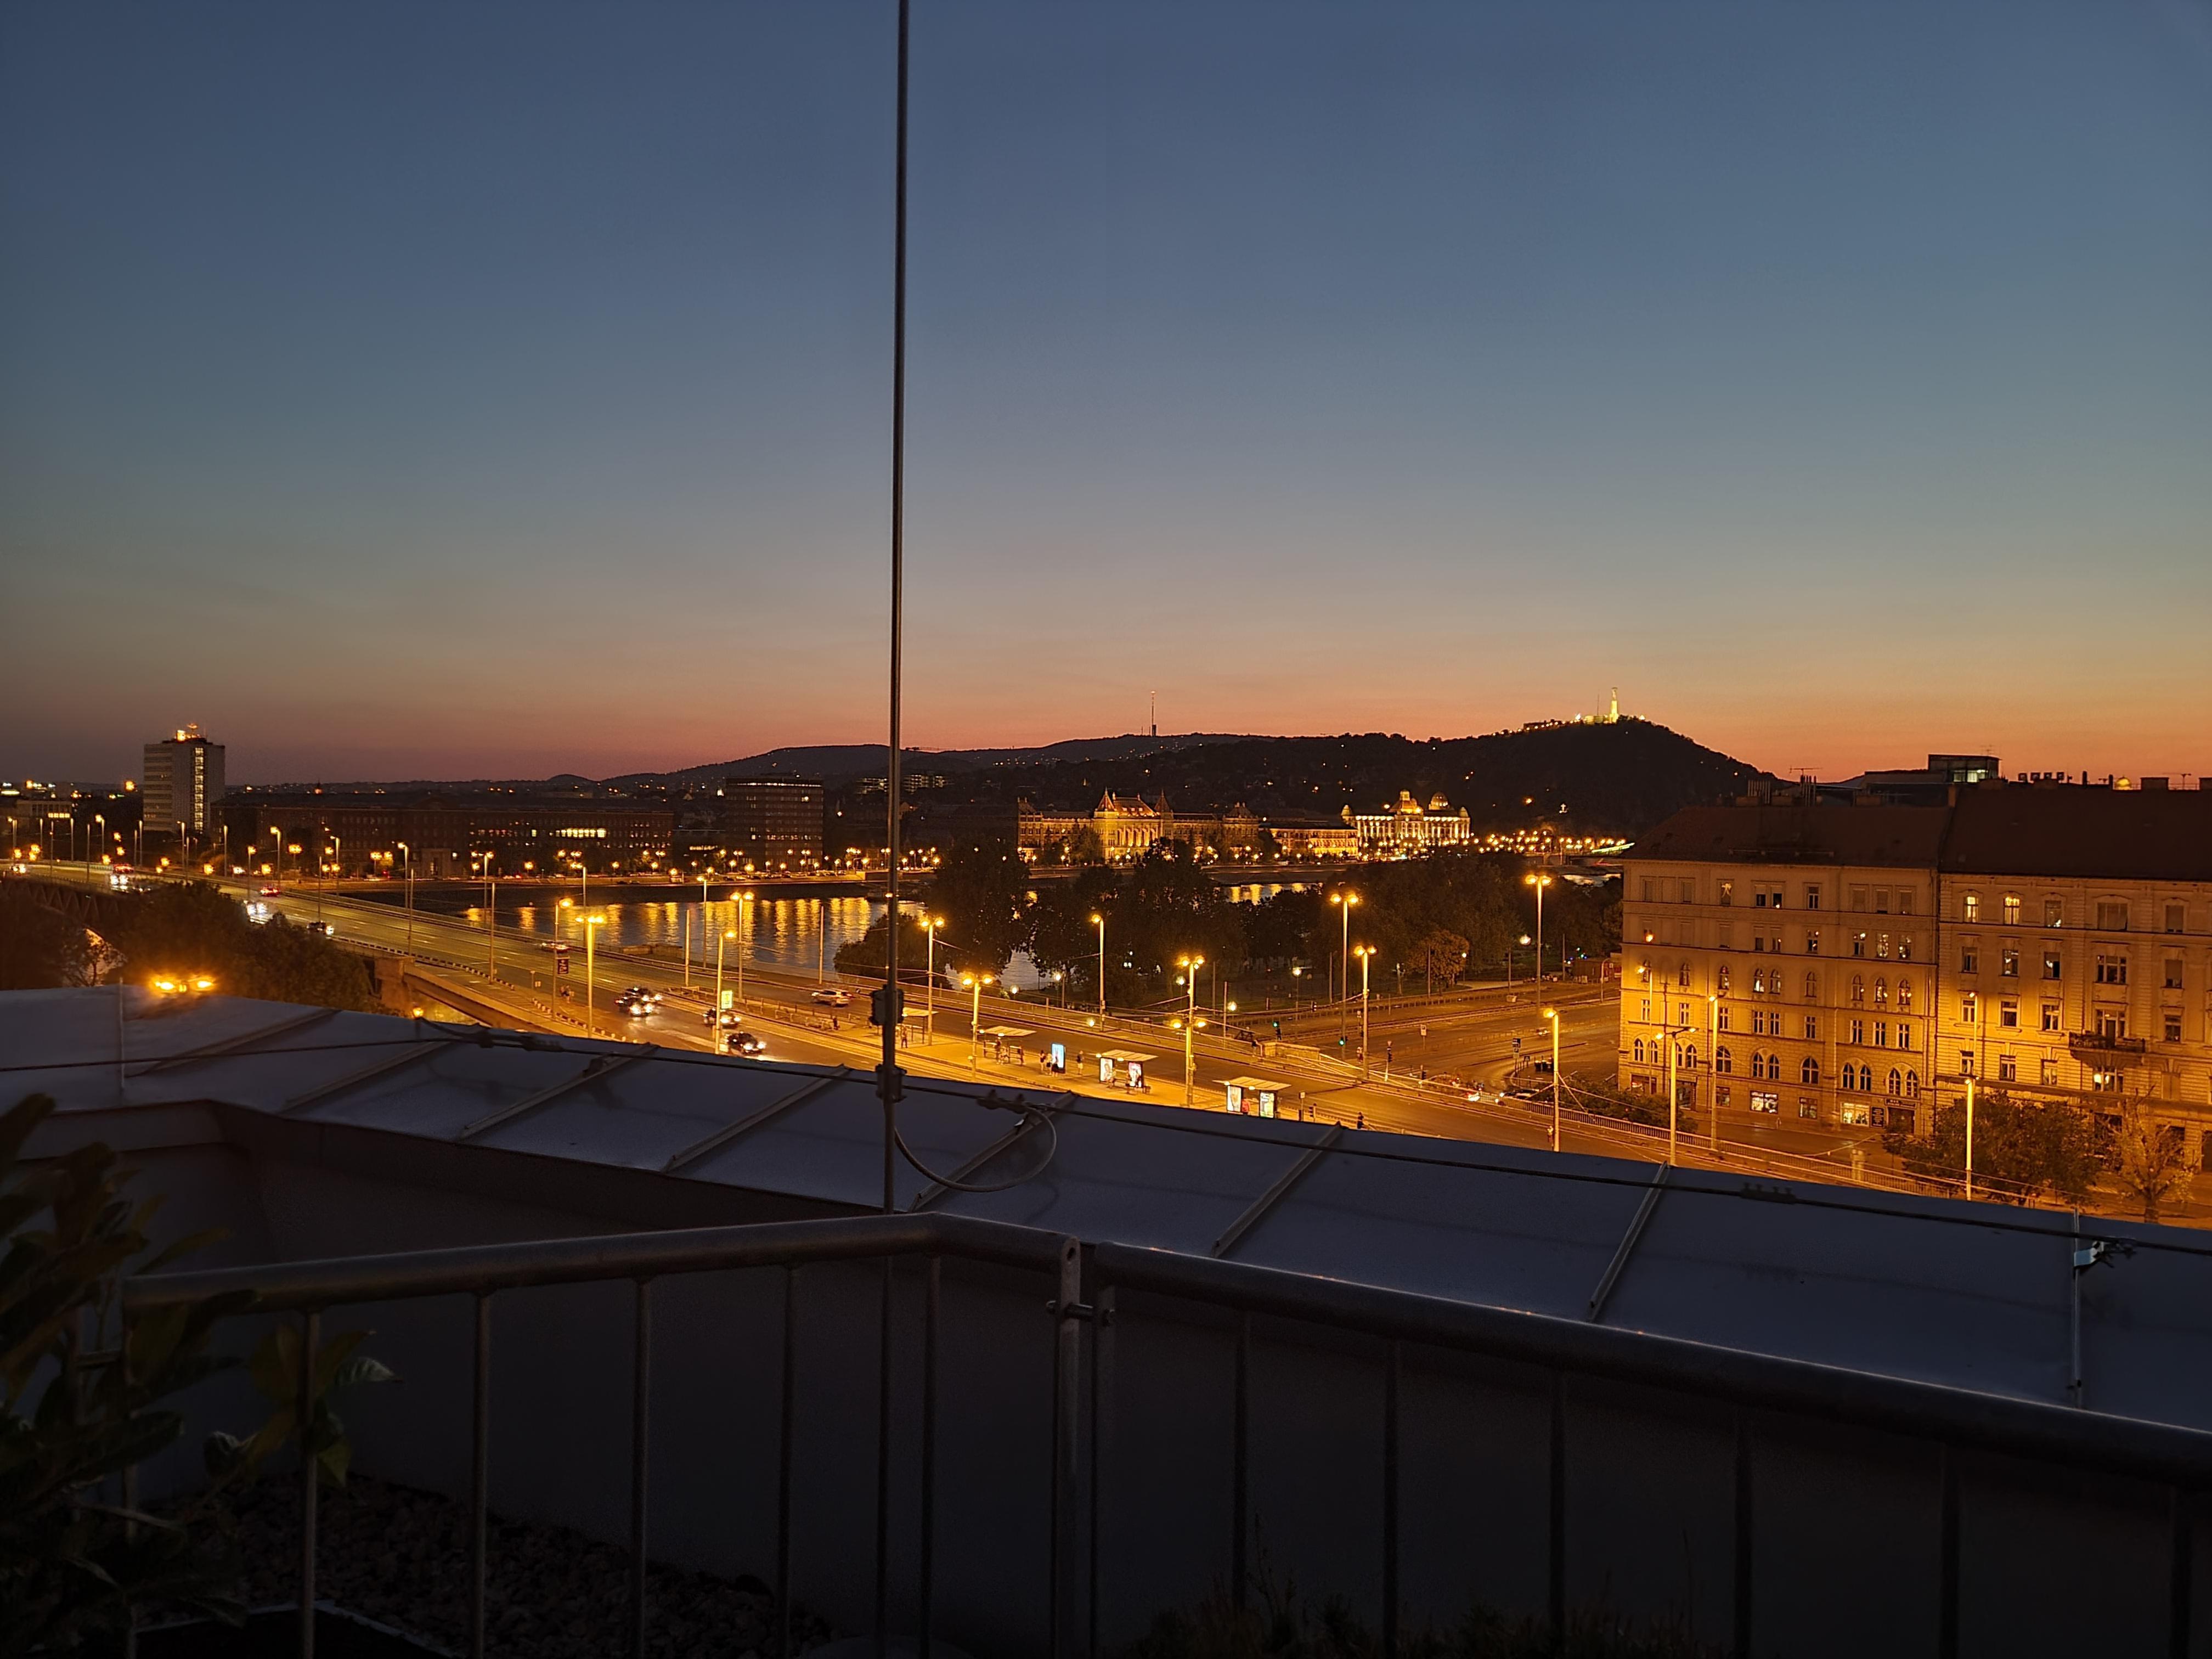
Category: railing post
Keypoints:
(1555, 1555)
(311, 1329)
(2185, 1571)
(928, 1548)
(1067, 1461)
(1240, 1519)
(783, 1463)
(480, 1480)
(1101, 1444)
(641, 1430)
(1946, 1592)
(1391, 1378)
(883, 1464)
(1741, 1645)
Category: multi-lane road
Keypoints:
(1471, 1041)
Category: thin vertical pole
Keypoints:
(480, 1480)
(1101, 1431)
(1557, 1552)
(786, 1407)
(929, 1542)
(1239, 1517)
(641, 1428)
(1946, 1595)
(1743, 1536)
(888, 1074)
(2184, 1569)
(311, 1330)
(1066, 1440)
(884, 1461)
(1391, 1378)
(130, 1486)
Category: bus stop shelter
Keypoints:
(1124, 1067)
(1254, 1096)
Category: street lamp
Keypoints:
(1539, 883)
(1190, 965)
(974, 982)
(409, 852)
(742, 896)
(592, 925)
(1344, 901)
(930, 925)
(1366, 953)
(1100, 920)
(1712, 1048)
(1552, 1015)
(722, 938)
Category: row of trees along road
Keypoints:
(1431, 920)
(2026, 1150)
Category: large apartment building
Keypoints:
(1852, 965)
(180, 784)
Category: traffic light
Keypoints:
(886, 1004)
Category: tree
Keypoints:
(1167, 907)
(1061, 935)
(1085, 846)
(2022, 1149)
(1441, 955)
(865, 954)
(40, 949)
(194, 927)
(2151, 1161)
(982, 890)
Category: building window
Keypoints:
(1811, 1029)
(1682, 976)
(1689, 1056)
(2172, 973)
(1639, 1051)
(2008, 1013)
(2173, 1026)
(1881, 901)
(1858, 945)
(1905, 947)
(1881, 1034)
(1896, 1081)
(1812, 987)
(2012, 909)
(1646, 1014)
(1858, 990)
(1904, 1034)
(2009, 964)
(2050, 1015)
(2111, 917)
(1812, 895)
(2111, 969)
(1721, 979)
(1970, 957)
(1965, 1062)
(1765, 1100)
(1812, 941)
(2007, 1069)
(1723, 1061)
(1728, 892)
(1721, 1017)
(1759, 899)
(1858, 1031)
(2054, 966)
(1970, 1008)
(1881, 947)
(2111, 1022)
(1905, 996)
(1646, 888)
(2050, 1072)
(1722, 1095)
(2176, 919)
(1970, 907)
(1858, 899)
(1905, 901)
(1758, 1022)
(2054, 913)
(1881, 993)
(1808, 1071)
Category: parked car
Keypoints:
(744, 1043)
(830, 997)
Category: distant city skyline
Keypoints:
(503, 390)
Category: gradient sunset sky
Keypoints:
(454, 390)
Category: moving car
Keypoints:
(830, 997)
(272, 892)
(327, 929)
(644, 994)
(726, 1018)
(744, 1043)
(635, 1006)
(558, 947)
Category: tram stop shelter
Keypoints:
(1123, 1066)
(1254, 1096)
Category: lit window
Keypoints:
(2050, 1015)
(1965, 1062)
(1970, 1008)
(2012, 909)
(2173, 1026)
(1904, 996)
(2050, 1072)
(1858, 990)
(1812, 941)
(1881, 993)
(1970, 907)
(2008, 964)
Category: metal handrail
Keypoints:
(1749, 1385)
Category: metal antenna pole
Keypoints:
(888, 1077)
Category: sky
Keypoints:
(436, 391)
